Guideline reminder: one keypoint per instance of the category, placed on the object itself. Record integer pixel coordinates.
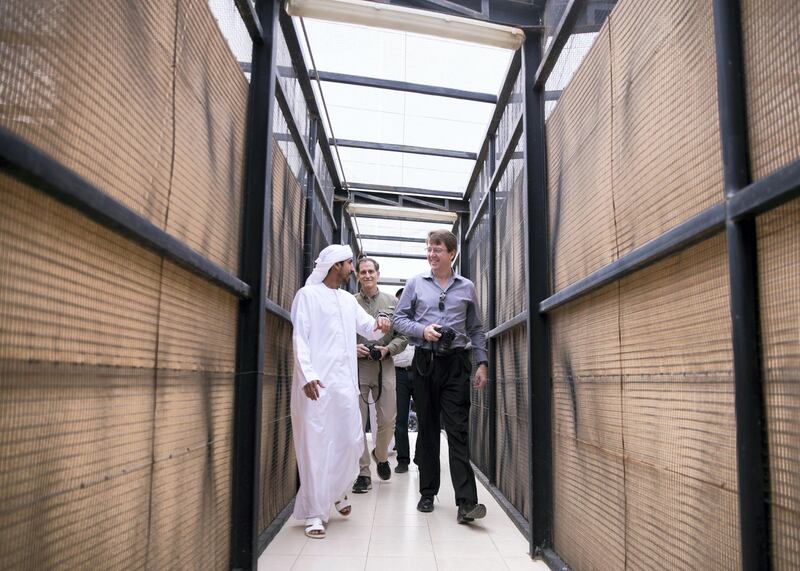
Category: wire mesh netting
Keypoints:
(778, 236)
(117, 367)
(478, 253)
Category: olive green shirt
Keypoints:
(393, 340)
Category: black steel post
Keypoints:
(751, 435)
(491, 396)
(463, 258)
(339, 232)
(256, 229)
(538, 289)
(308, 254)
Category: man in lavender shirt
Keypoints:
(431, 303)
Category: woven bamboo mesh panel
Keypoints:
(643, 404)
(582, 228)
(510, 239)
(478, 253)
(210, 106)
(278, 461)
(513, 449)
(116, 367)
(285, 268)
(666, 147)
(779, 260)
(771, 32)
(91, 85)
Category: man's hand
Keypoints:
(383, 324)
(311, 390)
(362, 351)
(430, 334)
(480, 376)
(384, 351)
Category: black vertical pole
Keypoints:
(256, 229)
(538, 289)
(308, 254)
(751, 438)
(463, 259)
(340, 232)
(491, 388)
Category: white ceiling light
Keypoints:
(408, 20)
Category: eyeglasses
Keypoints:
(441, 300)
(437, 251)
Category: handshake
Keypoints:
(383, 322)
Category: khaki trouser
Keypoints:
(385, 408)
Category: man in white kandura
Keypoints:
(326, 421)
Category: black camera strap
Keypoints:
(380, 386)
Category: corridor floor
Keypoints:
(385, 532)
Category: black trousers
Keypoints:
(405, 391)
(441, 387)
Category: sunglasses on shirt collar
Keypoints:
(441, 300)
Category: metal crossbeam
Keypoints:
(404, 149)
(403, 86)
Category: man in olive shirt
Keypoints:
(376, 376)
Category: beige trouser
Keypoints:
(385, 408)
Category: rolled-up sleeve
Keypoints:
(474, 328)
(404, 314)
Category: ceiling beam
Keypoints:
(390, 199)
(403, 86)
(406, 190)
(404, 149)
(390, 238)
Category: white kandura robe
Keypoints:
(328, 436)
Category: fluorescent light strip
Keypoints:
(408, 20)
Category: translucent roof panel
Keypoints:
(404, 228)
(384, 116)
(403, 169)
(403, 56)
(396, 117)
(400, 268)
(394, 247)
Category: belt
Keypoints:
(443, 353)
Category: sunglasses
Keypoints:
(441, 300)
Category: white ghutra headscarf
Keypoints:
(328, 257)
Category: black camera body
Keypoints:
(374, 353)
(448, 335)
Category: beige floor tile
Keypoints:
(401, 533)
(337, 545)
(276, 562)
(289, 541)
(517, 547)
(470, 564)
(328, 563)
(399, 548)
(416, 563)
(479, 547)
(525, 564)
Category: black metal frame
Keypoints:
(410, 149)
(400, 200)
(256, 232)
(405, 190)
(564, 30)
(491, 386)
(390, 238)
(402, 86)
(538, 289)
(752, 452)
(27, 164)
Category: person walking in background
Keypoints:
(439, 312)
(376, 376)
(405, 392)
(326, 422)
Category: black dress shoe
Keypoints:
(469, 511)
(384, 470)
(425, 504)
(363, 483)
(401, 468)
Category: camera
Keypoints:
(448, 335)
(374, 353)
